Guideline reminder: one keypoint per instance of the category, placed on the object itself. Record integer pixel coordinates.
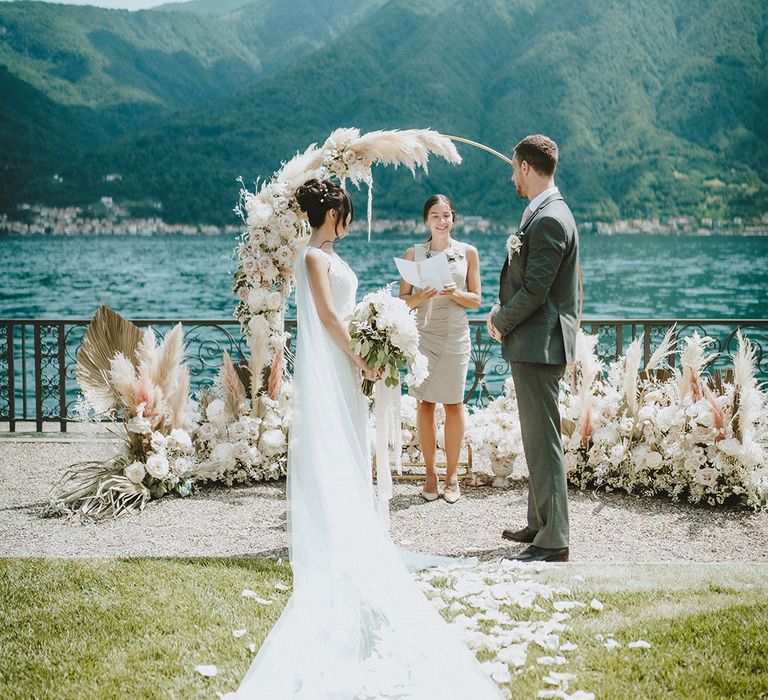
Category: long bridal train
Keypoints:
(356, 624)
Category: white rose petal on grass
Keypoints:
(562, 605)
(239, 633)
(581, 695)
(252, 648)
(595, 604)
(611, 644)
(552, 660)
(569, 646)
(639, 644)
(248, 593)
(282, 587)
(207, 671)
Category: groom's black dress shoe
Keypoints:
(534, 553)
(524, 535)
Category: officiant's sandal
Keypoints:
(429, 495)
(452, 493)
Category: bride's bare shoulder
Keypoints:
(317, 260)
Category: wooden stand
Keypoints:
(467, 475)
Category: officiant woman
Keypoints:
(444, 339)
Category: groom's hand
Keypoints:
(492, 330)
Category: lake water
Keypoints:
(625, 276)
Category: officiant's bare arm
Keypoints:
(469, 298)
(406, 290)
(317, 268)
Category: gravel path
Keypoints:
(251, 520)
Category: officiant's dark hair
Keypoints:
(540, 152)
(317, 197)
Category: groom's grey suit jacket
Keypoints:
(539, 288)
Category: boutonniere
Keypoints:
(514, 243)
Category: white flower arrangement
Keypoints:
(494, 434)
(276, 229)
(385, 334)
(677, 437)
(241, 440)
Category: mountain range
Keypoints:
(658, 106)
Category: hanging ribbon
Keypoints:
(388, 433)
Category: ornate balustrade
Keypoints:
(38, 357)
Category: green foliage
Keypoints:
(648, 101)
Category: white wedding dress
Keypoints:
(356, 626)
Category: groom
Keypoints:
(535, 320)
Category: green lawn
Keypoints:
(138, 627)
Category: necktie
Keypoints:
(526, 215)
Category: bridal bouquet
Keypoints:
(384, 333)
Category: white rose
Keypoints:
(274, 301)
(248, 265)
(180, 440)
(282, 189)
(159, 442)
(241, 451)
(223, 455)
(239, 430)
(272, 442)
(616, 456)
(157, 466)
(181, 465)
(135, 472)
(139, 425)
(206, 431)
(257, 240)
(653, 460)
(262, 211)
(216, 413)
(281, 203)
(707, 476)
(732, 447)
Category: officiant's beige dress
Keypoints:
(444, 333)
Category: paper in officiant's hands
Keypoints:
(432, 272)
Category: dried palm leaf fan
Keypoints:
(108, 333)
(508, 161)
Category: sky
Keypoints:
(114, 4)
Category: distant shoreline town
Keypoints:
(108, 219)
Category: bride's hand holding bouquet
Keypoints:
(386, 338)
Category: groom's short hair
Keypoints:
(540, 152)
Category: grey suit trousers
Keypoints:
(536, 387)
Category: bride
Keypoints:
(356, 625)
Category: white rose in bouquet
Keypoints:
(248, 265)
(157, 466)
(135, 472)
(384, 333)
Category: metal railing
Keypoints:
(38, 357)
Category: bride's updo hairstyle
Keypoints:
(317, 197)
